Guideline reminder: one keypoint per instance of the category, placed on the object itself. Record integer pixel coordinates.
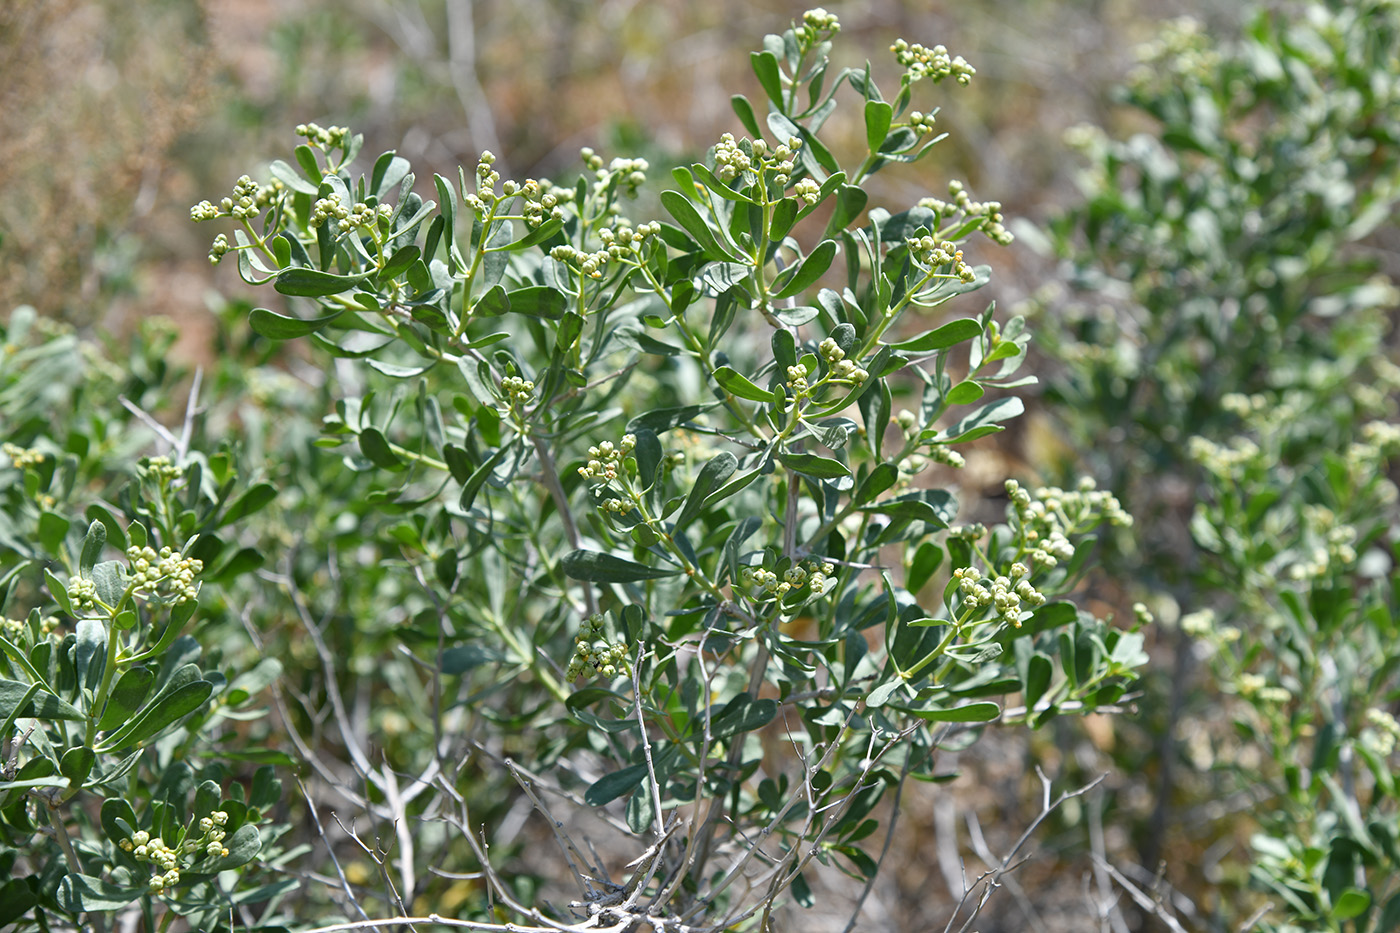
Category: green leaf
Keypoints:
(611, 786)
(715, 472)
(53, 528)
(814, 466)
(58, 591)
(243, 846)
(1352, 903)
(126, 697)
(292, 178)
(743, 714)
(93, 543)
(86, 894)
(926, 560)
(964, 393)
(76, 765)
(16, 900)
(376, 449)
(679, 207)
(984, 419)
(538, 301)
(91, 646)
(479, 477)
(970, 712)
(280, 327)
(784, 216)
(115, 534)
(881, 694)
(111, 585)
(540, 234)
(850, 201)
(164, 712)
(597, 567)
(744, 111)
(765, 67)
(398, 263)
(313, 283)
(250, 683)
(878, 115)
(740, 386)
(881, 478)
(254, 499)
(15, 707)
(462, 658)
(389, 170)
(941, 338)
(661, 420)
(1038, 673)
(935, 506)
(812, 268)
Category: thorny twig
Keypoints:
(991, 879)
(1139, 896)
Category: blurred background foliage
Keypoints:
(116, 116)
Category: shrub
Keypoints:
(609, 513)
(1235, 345)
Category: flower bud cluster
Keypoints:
(809, 573)
(921, 122)
(356, 217)
(486, 176)
(218, 249)
(808, 190)
(82, 593)
(842, 369)
(517, 390)
(161, 469)
(12, 629)
(817, 24)
(22, 457)
(1383, 733)
(622, 240)
(1006, 594)
(166, 858)
(1384, 436)
(1183, 50)
(1256, 686)
(1225, 461)
(590, 264)
(543, 201)
(993, 222)
(1203, 624)
(167, 572)
(605, 459)
(593, 652)
(934, 63)
(731, 161)
(942, 453)
(797, 380)
(246, 202)
(970, 533)
(324, 137)
(632, 173)
(619, 242)
(935, 253)
(1048, 518)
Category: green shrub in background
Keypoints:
(117, 705)
(1234, 354)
